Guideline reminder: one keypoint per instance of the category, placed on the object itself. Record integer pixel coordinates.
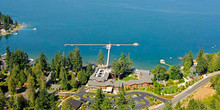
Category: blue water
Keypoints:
(163, 28)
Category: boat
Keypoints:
(35, 29)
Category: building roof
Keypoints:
(100, 74)
(56, 86)
(74, 103)
(145, 77)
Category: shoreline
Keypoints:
(19, 27)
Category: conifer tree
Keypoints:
(200, 55)
(100, 58)
(2, 100)
(11, 85)
(106, 105)
(168, 105)
(98, 100)
(132, 104)
(31, 90)
(42, 60)
(81, 76)
(89, 70)
(76, 60)
(73, 81)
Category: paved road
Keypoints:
(189, 90)
(82, 91)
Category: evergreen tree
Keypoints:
(106, 105)
(63, 76)
(200, 55)
(168, 105)
(2, 100)
(5, 26)
(43, 100)
(121, 100)
(100, 58)
(187, 62)
(11, 85)
(31, 90)
(16, 24)
(75, 60)
(73, 81)
(132, 104)
(202, 66)
(56, 64)
(98, 100)
(89, 70)
(42, 81)
(42, 60)
(81, 76)
(217, 62)
(213, 104)
(115, 67)
(17, 101)
(160, 73)
(66, 105)
(130, 63)
(178, 106)
(174, 72)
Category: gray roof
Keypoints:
(145, 77)
(100, 75)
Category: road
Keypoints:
(142, 95)
(188, 91)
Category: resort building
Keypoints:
(101, 78)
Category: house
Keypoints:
(56, 87)
(75, 104)
(100, 79)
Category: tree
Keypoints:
(42, 81)
(17, 101)
(200, 55)
(100, 58)
(56, 64)
(11, 85)
(2, 100)
(160, 73)
(75, 60)
(132, 104)
(31, 90)
(130, 63)
(115, 67)
(81, 76)
(73, 81)
(121, 100)
(42, 60)
(202, 66)
(89, 70)
(187, 62)
(106, 105)
(16, 24)
(5, 26)
(98, 100)
(44, 101)
(66, 105)
(174, 72)
(196, 105)
(178, 106)
(168, 105)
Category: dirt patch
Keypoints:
(201, 93)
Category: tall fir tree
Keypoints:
(100, 58)
(66, 105)
(31, 90)
(2, 100)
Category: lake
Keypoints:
(163, 28)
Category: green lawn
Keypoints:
(128, 78)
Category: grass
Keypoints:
(128, 78)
